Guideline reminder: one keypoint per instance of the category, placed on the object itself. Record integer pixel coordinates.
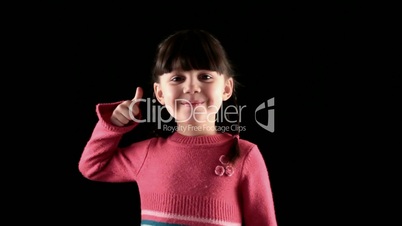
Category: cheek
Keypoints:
(215, 100)
(217, 95)
(170, 94)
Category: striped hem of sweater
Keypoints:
(156, 218)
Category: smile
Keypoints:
(191, 103)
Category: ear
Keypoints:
(228, 90)
(158, 93)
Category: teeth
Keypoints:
(189, 103)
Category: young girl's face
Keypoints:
(193, 97)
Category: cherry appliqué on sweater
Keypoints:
(225, 169)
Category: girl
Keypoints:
(199, 174)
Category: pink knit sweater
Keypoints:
(183, 180)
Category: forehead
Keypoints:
(193, 72)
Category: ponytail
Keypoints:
(234, 151)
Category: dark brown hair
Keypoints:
(195, 50)
(188, 50)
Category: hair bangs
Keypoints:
(192, 51)
(189, 57)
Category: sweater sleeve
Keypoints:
(258, 205)
(102, 159)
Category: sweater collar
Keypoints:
(205, 139)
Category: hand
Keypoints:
(128, 109)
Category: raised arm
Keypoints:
(102, 158)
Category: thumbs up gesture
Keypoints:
(127, 110)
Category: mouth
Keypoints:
(191, 103)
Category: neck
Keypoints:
(188, 129)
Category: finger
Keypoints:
(138, 93)
(119, 120)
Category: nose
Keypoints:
(191, 86)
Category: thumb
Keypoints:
(138, 94)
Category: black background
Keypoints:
(332, 69)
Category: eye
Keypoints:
(205, 77)
(177, 78)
